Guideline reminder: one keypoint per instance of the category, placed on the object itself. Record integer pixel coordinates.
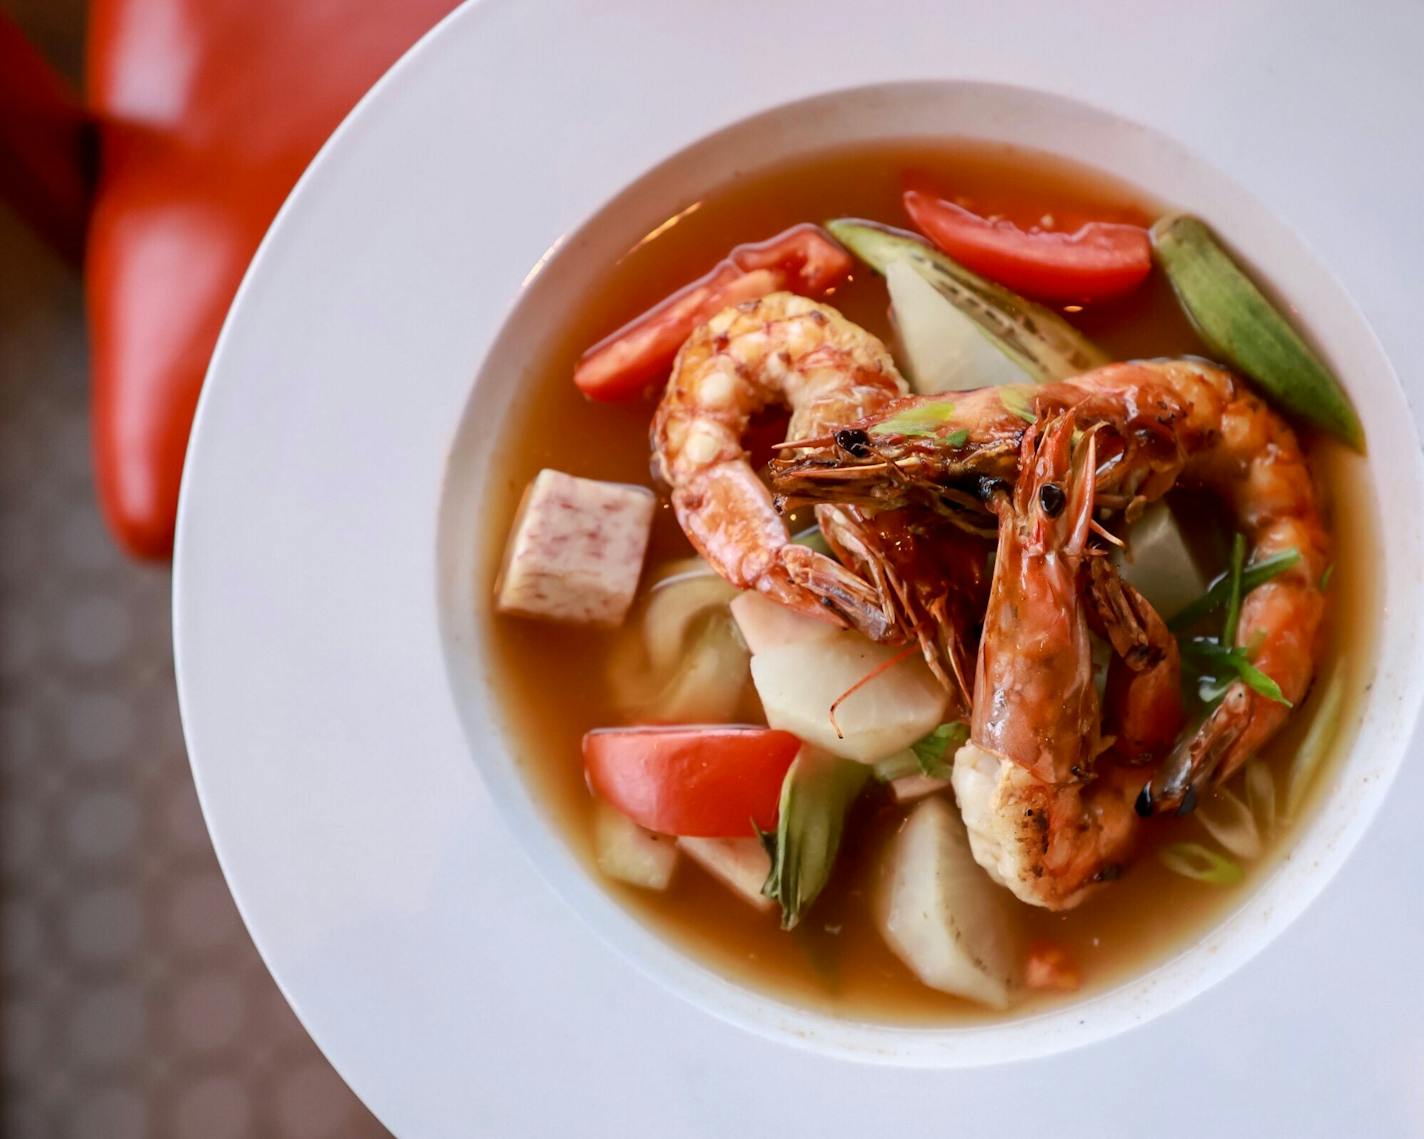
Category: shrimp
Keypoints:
(1039, 819)
(1143, 701)
(782, 349)
(1165, 423)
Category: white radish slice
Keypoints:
(944, 350)
(1158, 563)
(767, 624)
(740, 863)
(626, 851)
(941, 914)
(798, 684)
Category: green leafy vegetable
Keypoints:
(1316, 746)
(1040, 341)
(957, 438)
(1193, 860)
(815, 795)
(1220, 661)
(935, 752)
(1246, 330)
(1216, 595)
(1233, 592)
(920, 419)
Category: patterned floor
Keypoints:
(132, 1002)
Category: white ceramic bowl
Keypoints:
(349, 760)
(1163, 171)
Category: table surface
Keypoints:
(133, 1004)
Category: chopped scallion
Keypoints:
(1222, 660)
(1233, 591)
(918, 419)
(1253, 575)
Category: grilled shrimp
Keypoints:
(1039, 819)
(1165, 423)
(781, 349)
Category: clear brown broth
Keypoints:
(551, 678)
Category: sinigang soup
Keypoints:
(920, 594)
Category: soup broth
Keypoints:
(553, 679)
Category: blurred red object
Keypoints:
(207, 112)
(44, 145)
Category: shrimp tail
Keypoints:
(819, 586)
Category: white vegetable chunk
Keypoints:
(767, 624)
(940, 913)
(576, 550)
(944, 350)
(1159, 565)
(741, 863)
(799, 683)
(626, 851)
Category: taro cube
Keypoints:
(576, 550)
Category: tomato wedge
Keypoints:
(635, 360)
(711, 781)
(1097, 261)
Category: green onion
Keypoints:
(1221, 659)
(1244, 329)
(1233, 594)
(1316, 746)
(816, 793)
(1216, 595)
(935, 751)
(1325, 577)
(1193, 860)
(1016, 401)
(919, 419)
(957, 438)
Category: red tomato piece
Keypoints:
(635, 360)
(1097, 261)
(712, 781)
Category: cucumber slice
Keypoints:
(1247, 331)
(944, 350)
(1040, 341)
